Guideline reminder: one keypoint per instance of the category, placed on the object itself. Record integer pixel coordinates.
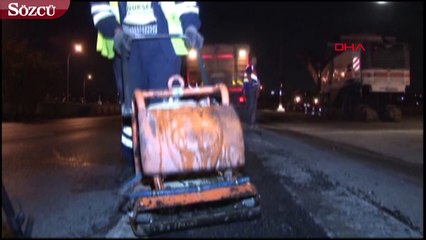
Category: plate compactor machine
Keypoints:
(188, 157)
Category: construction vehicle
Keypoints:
(364, 78)
(225, 63)
(188, 156)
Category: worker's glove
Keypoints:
(193, 38)
(122, 42)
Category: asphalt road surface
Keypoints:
(63, 173)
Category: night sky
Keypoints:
(277, 32)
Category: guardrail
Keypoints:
(56, 110)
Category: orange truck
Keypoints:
(224, 63)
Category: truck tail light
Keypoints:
(242, 99)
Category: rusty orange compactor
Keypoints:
(189, 151)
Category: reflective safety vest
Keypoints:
(106, 45)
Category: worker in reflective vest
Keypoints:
(144, 64)
(251, 91)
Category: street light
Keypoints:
(78, 48)
(280, 106)
(89, 77)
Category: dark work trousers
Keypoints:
(251, 95)
(146, 67)
(118, 77)
(149, 67)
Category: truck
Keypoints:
(365, 77)
(224, 63)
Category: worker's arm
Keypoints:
(249, 72)
(188, 13)
(104, 18)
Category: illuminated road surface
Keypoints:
(63, 173)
